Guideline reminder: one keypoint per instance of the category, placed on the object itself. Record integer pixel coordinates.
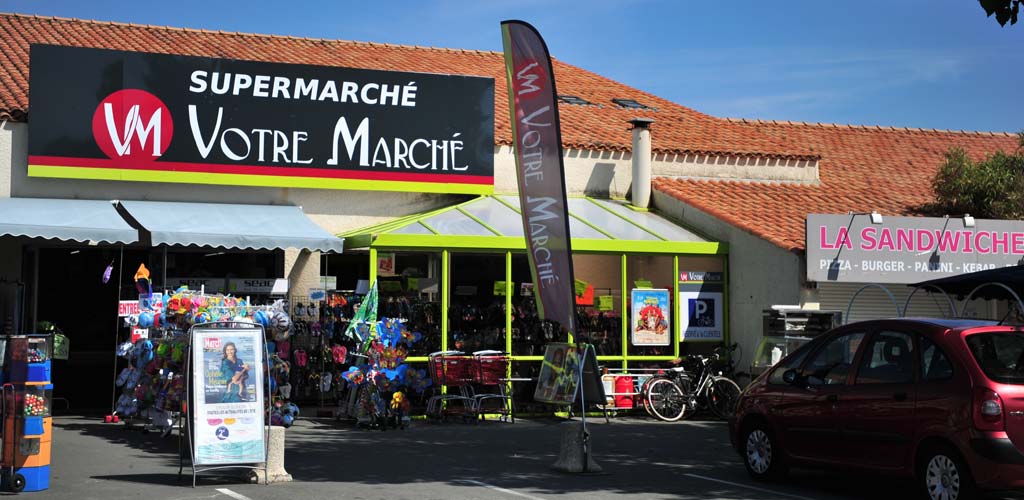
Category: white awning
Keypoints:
(65, 220)
(230, 226)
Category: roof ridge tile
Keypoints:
(762, 121)
(236, 33)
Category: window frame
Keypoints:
(866, 334)
(920, 368)
(803, 352)
(915, 354)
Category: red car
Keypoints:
(939, 400)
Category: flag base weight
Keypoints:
(574, 453)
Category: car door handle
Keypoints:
(900, 396)
(832, 398)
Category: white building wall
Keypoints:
(8, 130)
(605, 174)
(760, 273)
(10, 252)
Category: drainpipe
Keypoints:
(641, 161)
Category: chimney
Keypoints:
(641, 161)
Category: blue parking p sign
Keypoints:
(702, 312)
(702, 317)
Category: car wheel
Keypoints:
(761, 454)
(943, 475)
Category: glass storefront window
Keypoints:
(657, 271)
(599, 308)
(528, 333)
(410, 290)
(348, 267)
(526, 373)
(476, 316)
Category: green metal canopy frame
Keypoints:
(493, 223)
(482, 224)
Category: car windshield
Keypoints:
(1000, 355)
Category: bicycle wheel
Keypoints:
(689, 402)
(643, 397)
(722, 397)
(666, 400)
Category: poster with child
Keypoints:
(559, 375)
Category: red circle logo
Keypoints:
(132, 124)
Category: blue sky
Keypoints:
(911, 63)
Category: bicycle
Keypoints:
(727, 366)
(668, 396)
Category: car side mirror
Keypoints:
(790, 376)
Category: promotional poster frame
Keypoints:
(663, 302)
(187, 418)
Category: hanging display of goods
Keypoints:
(186, 307)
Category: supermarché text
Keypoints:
(313, 89)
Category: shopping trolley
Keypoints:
(451, 371)
(490, 372)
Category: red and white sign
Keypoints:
(127, 308)
(211, 343)
(139, 333)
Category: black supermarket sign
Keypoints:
(133, 116)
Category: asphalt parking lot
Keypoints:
(641, 458)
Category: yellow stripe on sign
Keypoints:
(115, 174)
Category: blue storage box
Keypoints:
(39, 372)
(36, 478)
(33, 426)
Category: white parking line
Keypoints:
(232, 494)
(741, 485)
(503, 490)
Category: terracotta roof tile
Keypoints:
(677, 129)
(861, 169)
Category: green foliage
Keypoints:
(1004, 10)
(992, 188)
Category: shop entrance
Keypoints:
(72, 297)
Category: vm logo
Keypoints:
(132, 124)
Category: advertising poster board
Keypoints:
(559, 375)
(385, 264)
(700, 311)
(228, 400)
(559, 381)
(652, 317)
